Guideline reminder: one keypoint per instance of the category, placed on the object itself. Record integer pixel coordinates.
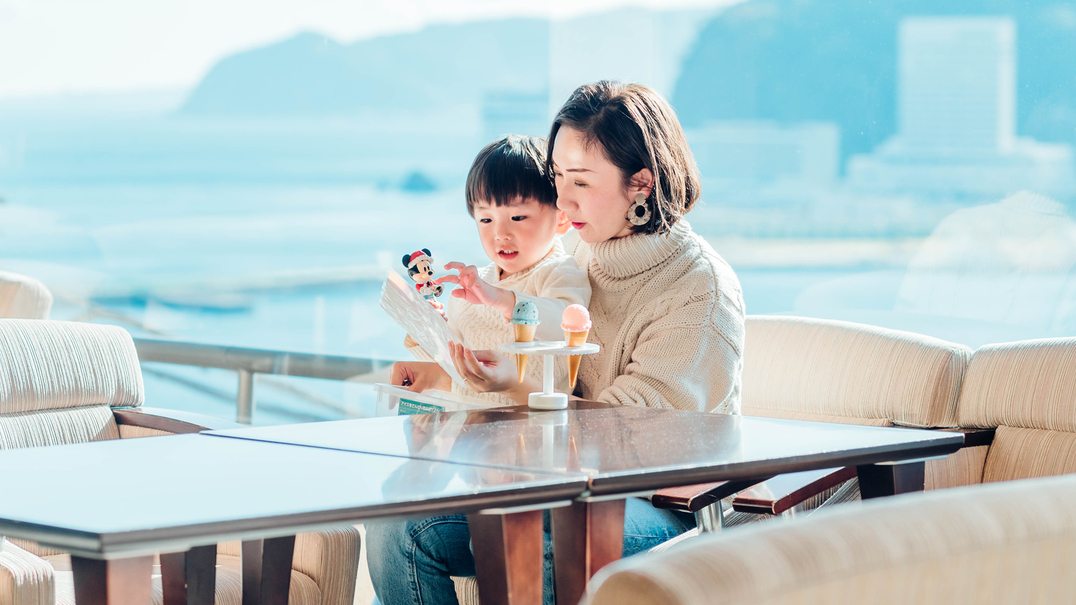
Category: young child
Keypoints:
(514, 204)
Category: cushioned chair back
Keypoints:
(58, 381)
(836, 371)
(1027, 390)
(23, 297)
(1000, 543)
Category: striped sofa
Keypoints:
(1026, 393)
(64, 382)
(1003, 534)
(1003, 543)
(836, 371)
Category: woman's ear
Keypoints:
(641, 182)
(562, 222)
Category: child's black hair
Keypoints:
(511, 167)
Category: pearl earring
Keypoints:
(639, 213)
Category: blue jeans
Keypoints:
(412, 562)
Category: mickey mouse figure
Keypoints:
(420, 268)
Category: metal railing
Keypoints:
(248, 362)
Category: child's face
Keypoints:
(517, 235)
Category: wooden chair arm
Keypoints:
(172, 421)
(692, 498)
(975, 437)
(785, 491)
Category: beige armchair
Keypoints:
(65, 382)
(1027, 391)
(836, 371)
(1016, 410)
(1008, 543)
(23, 297)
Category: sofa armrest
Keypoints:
(25, 578)
(171, 421)
(693, 498)
(331, 558)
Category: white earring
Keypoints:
(639, 212)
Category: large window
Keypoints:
(248, 176)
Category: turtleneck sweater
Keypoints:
(668, 313)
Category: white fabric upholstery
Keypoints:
(1027, 390)
(1007, 542)
(329, 558)
(1029, 384)
(57, 427)
(23, 297)
(836, 371)
(48, 365)
(24, 578)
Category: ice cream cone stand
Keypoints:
(548, 399)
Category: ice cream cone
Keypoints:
(574, 339)
(524, 333)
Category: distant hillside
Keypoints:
(795, 60)
(442, 64)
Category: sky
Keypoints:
(58, 47)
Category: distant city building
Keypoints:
(514, 112)
(957, 83)
(956, 108)
(752, 153)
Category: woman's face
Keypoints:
(590, 188)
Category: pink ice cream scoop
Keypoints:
(576, 318)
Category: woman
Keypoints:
(666, 309)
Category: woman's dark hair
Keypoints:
(636, 128)
(510, 167)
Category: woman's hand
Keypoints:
(475, 290)
(490, 372)
(419, 376)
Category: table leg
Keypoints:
(115, 582)
(586, 537)
(508, 557)
(189, 578)
(267, 570)
(877, 480)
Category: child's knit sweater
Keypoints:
(668, 313)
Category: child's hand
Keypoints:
(476, 291)
(484, 371)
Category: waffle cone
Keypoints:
(523, 334)
(574, 339)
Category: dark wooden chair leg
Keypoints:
(267, 570)
(190, 578)
(877, 480)
(251, 560)
(115, 582)
(586, 537)
(508, 557)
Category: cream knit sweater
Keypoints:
(668, 313)
(551, 284)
